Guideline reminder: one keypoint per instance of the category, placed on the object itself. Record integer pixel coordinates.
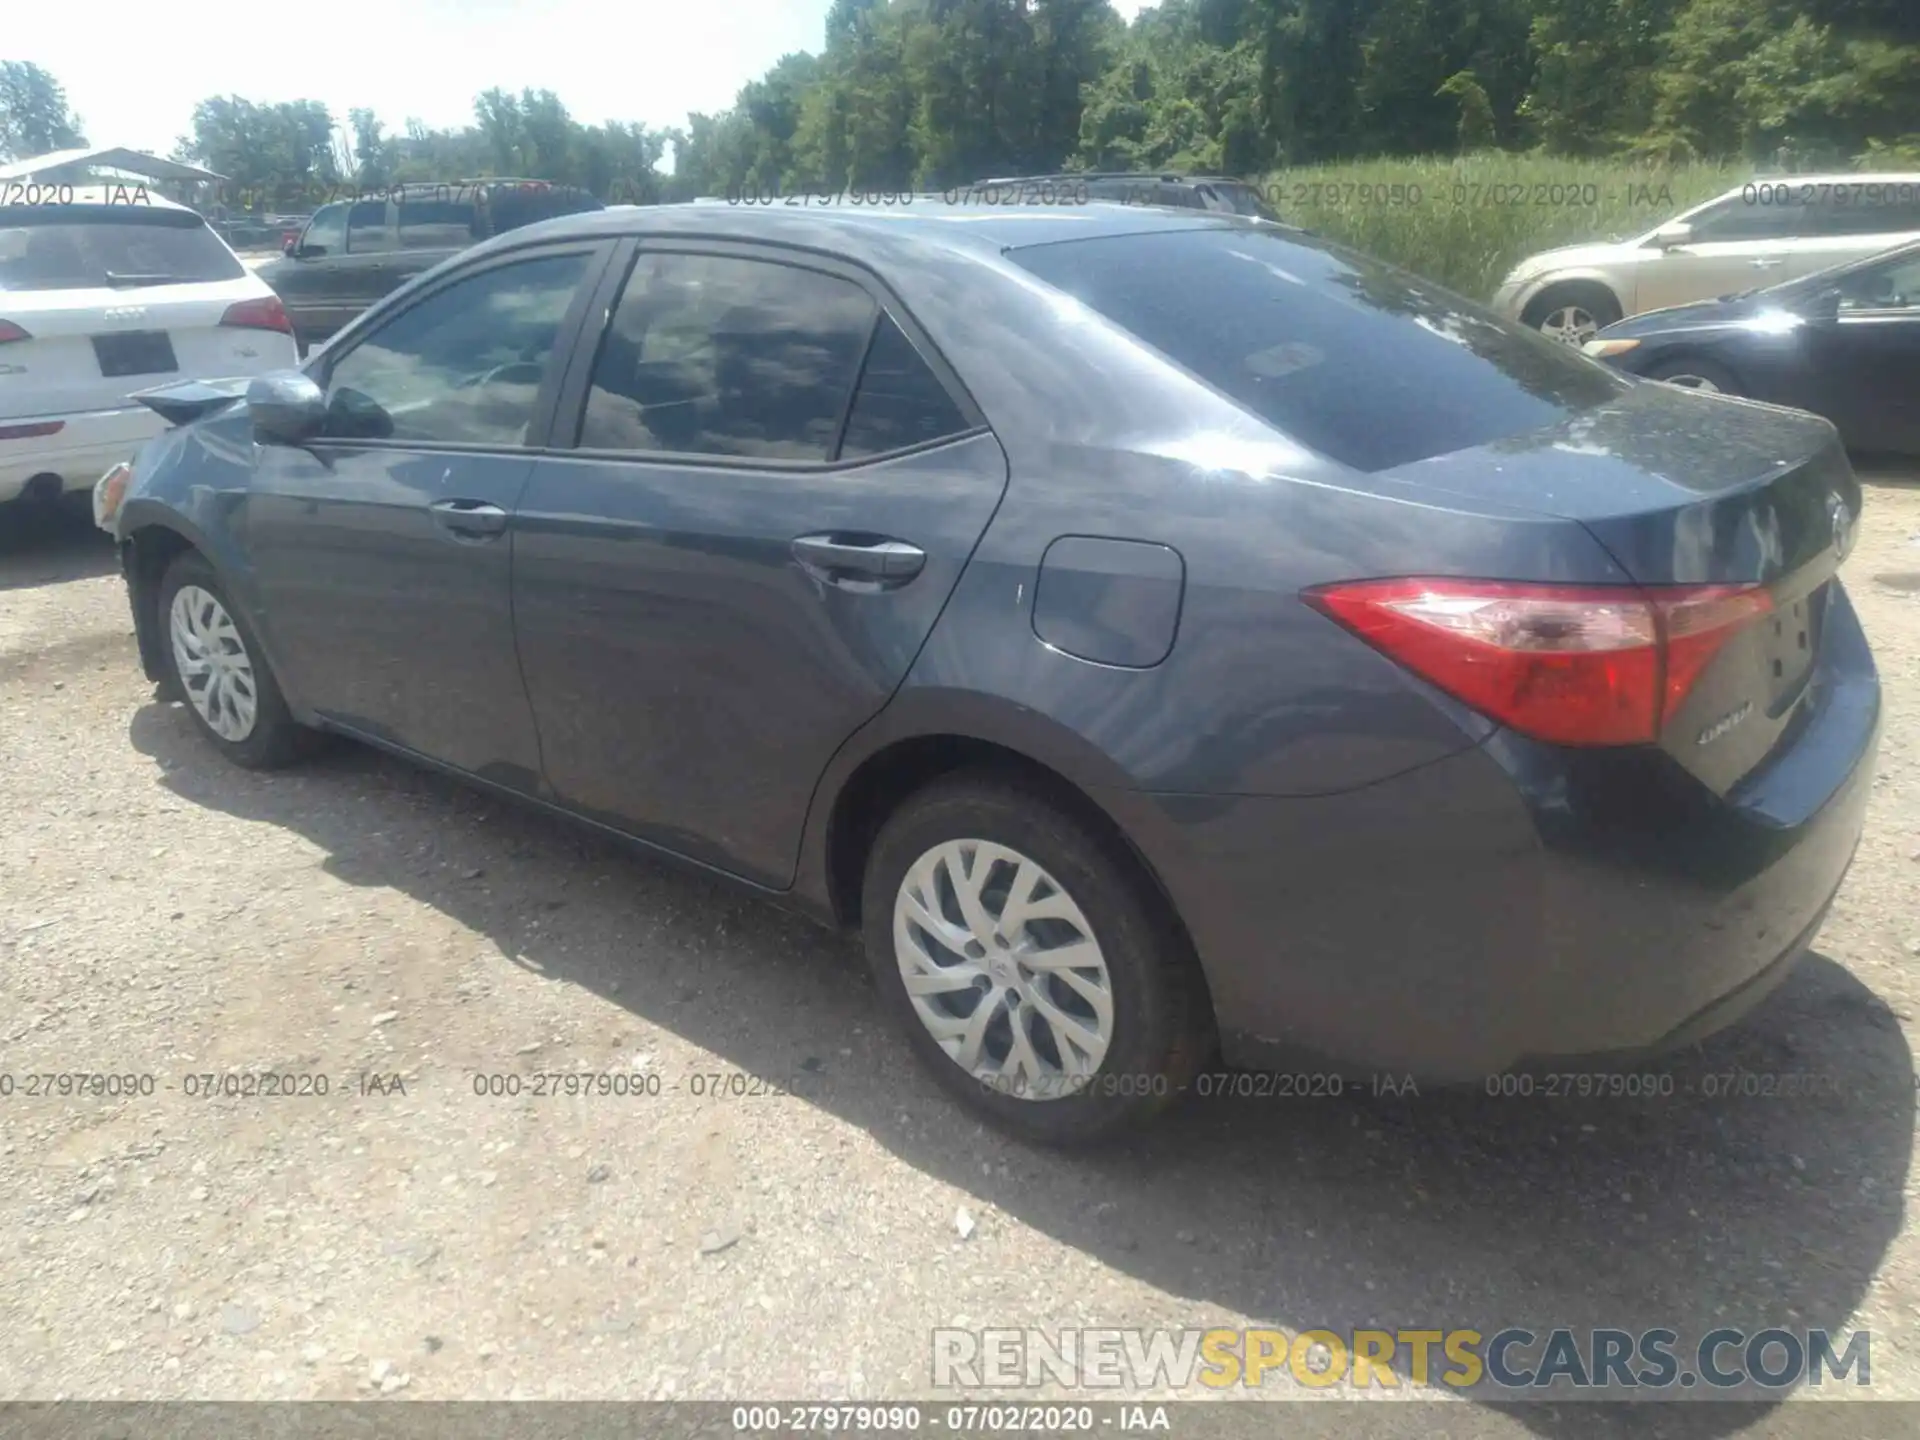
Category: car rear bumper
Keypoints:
(87, 444)
(1516, 903)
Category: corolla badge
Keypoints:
(1725, 723)
(1842, 527)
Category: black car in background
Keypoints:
(1842, 342)
(354, 252)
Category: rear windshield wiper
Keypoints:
(117, 279)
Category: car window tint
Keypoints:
(712, 355)
(900, 401)
(1737, 218)
(435, 224)
(328, 229)
(464, 365)
(1883, 287)
(367, 231)
(71, 247)
(1865, 216)
(1367, 364)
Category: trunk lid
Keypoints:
(93, 347)
(1699, 490)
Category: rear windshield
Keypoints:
(76, 247)
(1364, 363)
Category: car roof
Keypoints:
(1882, 177)
(875, 234)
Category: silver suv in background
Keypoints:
(1761, 233)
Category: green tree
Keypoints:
(34, 118)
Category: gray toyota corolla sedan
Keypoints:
(1168, 637)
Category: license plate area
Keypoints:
(135, 352)
(1790, 638)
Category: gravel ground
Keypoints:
(163, 914)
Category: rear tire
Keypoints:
(215, 664)
(1105, 1042)
(1691, 374)
(1572, 313)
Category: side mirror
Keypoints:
(1668, 236)
(287, 408)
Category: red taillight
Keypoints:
(10, 332)
(266, 313)
(1570, 664)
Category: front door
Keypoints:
(384, 549)
(1868, 356)
(776, 486)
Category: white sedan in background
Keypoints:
(100, 298)
(1765, 232)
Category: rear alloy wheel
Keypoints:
(1690, 374)
(218, 669)
(1030, 975)
(1572, 314)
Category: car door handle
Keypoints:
(474, 518)
(1766, 264)
(841, 557)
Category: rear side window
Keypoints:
(367, 231)
(1357, 360)
(435, 224)
(714, 355)
(900, 402)
(75, 247)
(513, 206)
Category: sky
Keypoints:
(133, 71)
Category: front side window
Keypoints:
(1894, 286)
(464, 366)
(714, 355)
(367, 231)
(326, 232)
(1737, 218)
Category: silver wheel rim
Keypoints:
(1570, 325)
(1002, 967)
(215, 669)
(1692, 382)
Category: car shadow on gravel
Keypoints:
(44, 544)
(1762, 1189)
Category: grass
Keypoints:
(1466, 221)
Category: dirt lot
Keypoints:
(165, 915)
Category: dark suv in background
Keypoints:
(1225, 193)
(354, 252)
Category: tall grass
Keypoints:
(1465, 222)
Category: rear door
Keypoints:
(776, 484)
(106, 300)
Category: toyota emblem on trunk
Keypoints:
(1842, 527)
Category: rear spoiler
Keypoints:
(187, 400)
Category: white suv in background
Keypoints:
(1763, 233)
(98, 300)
